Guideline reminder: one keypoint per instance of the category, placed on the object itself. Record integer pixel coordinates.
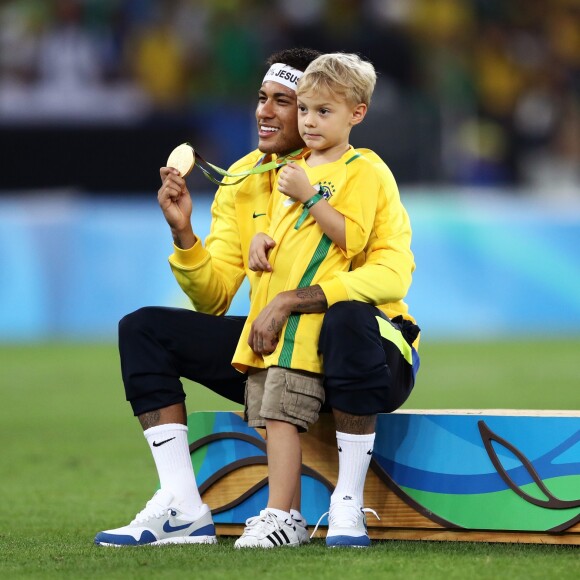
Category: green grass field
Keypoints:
(74, 462)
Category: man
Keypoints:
(365, 373)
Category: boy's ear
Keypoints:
(358, 114)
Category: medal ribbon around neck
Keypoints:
(184, 158)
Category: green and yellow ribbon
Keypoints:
(207, 168)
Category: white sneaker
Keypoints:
(301, 530)
(347, 524)
(162, 523)
(268, 531)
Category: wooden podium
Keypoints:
(494, 476)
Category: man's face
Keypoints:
(277, 119)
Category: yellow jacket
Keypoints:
(211, 275)
(305, 256)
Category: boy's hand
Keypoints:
(293, 182)
(259, 248)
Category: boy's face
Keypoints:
(325, 119)
(276, 116)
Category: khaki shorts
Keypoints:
(285, 395)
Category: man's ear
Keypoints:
(358, 114)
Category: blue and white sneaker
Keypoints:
(162, 523)
(347, 524)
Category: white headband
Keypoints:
(283, 74)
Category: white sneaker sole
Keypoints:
(258, 547)
(166, 541)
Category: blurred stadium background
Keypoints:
(477, 112)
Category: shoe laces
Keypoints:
(152, 510)
(344, 515)
(265, 518)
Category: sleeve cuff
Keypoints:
(189, 259)
(334, 290)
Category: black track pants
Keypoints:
(159, 345)
(365, 373)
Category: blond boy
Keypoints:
(321, 214)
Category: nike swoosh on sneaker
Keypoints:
(255, 215)
(167, 527)
(155, 444)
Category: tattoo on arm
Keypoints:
(177, 241)
(183, 241)
(312, 299)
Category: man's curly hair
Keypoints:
(298, 58)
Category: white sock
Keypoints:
(297, 516)
(170, 449)
(280, 514)
(354, 457)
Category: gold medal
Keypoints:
(182, 158)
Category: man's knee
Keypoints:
(150, 378)
(346, 315)
(350, 344)
(136, 322)
(364, 373)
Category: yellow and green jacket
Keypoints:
(210, 275)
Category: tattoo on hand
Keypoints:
(275, 326)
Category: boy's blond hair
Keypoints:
(344, 75)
